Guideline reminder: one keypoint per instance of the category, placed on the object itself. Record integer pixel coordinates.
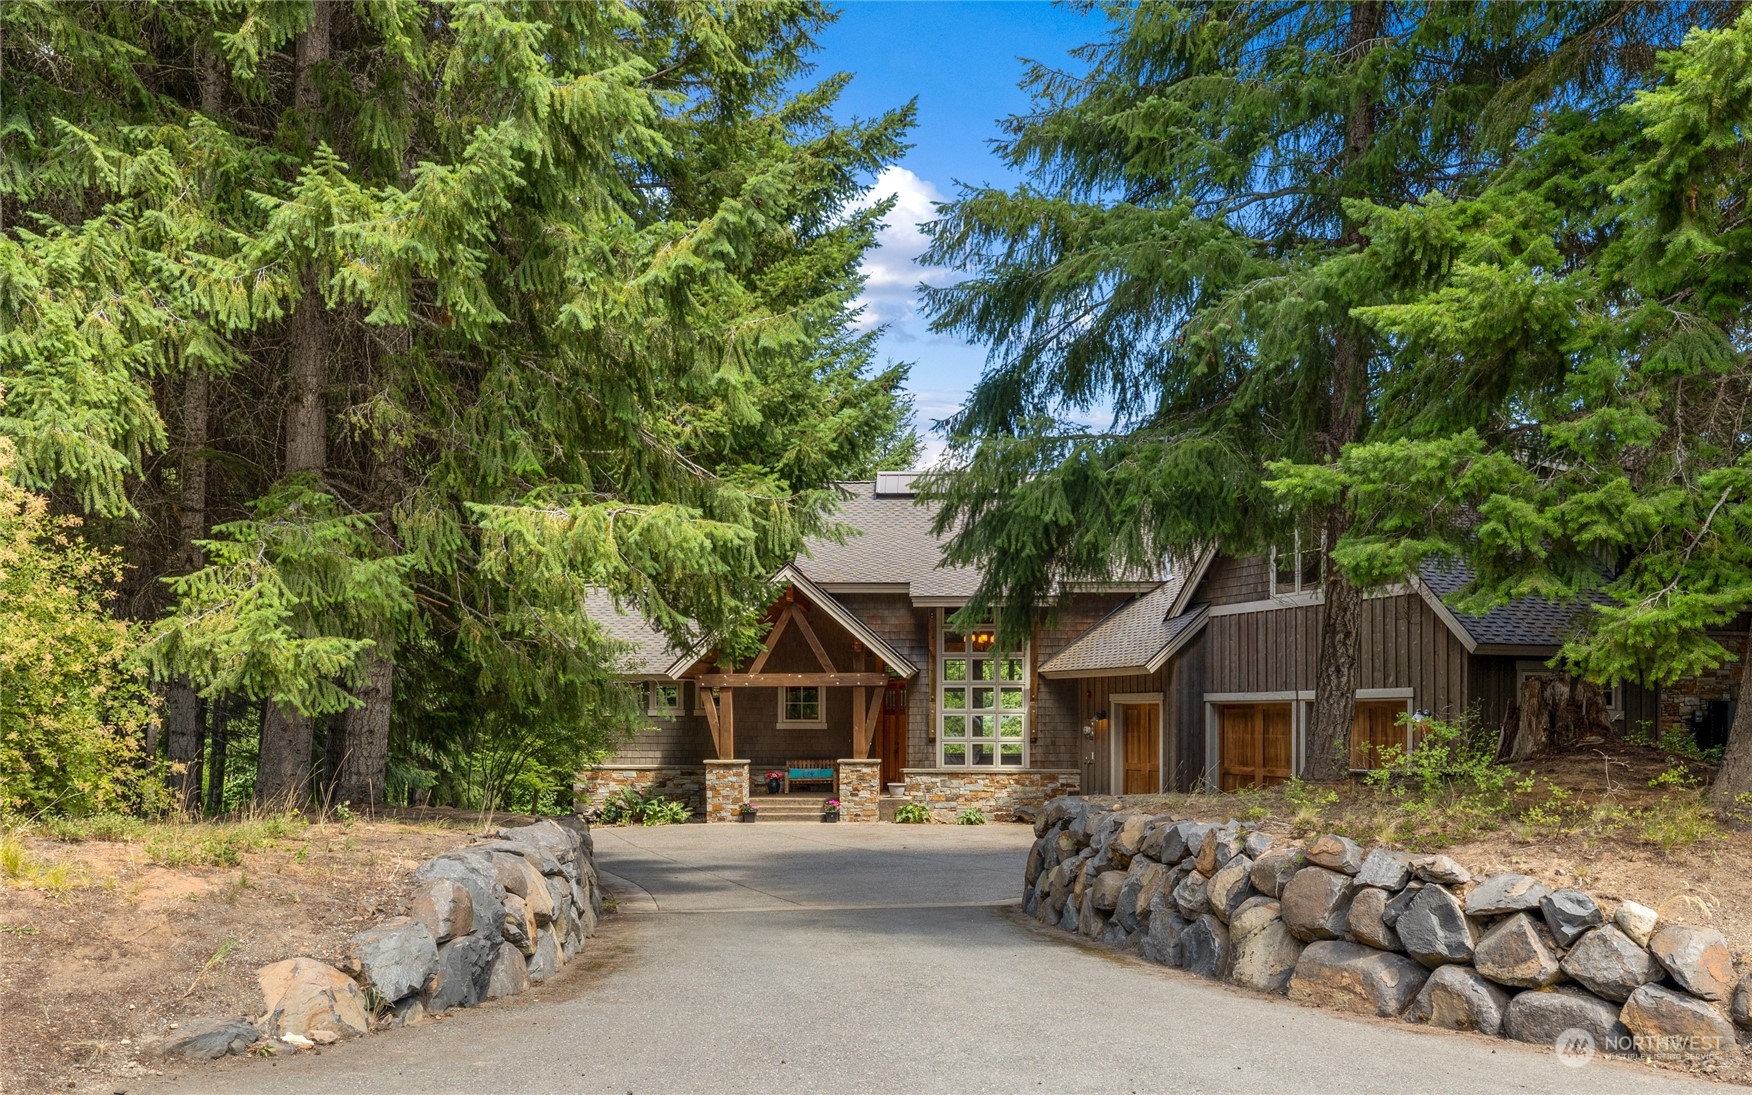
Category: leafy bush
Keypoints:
(970, 816)
(911, 813)
(628, 807)
(72, 711)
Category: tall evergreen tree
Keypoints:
(1188, 255)
(1623, 481)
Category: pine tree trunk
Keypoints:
(1557, 710)
(184, 729)
(183, 710)
(1734, 777)
(283, 768)
(367, 739)
(216, 756)
(1335, 678)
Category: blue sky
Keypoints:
(963, 61)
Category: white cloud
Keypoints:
(891, 270)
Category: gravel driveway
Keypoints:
(885, 958)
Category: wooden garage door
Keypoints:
(1255, 745)
(1375, 727)
(1143, 748)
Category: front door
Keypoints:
(1143, 748)
(1255, 745)
(891, 733)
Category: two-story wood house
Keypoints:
(1201, 679)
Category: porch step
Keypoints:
(789, 807)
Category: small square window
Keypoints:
(983, 699)
(802, 707)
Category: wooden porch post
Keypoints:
(727, 726)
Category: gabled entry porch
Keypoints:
(824, 685)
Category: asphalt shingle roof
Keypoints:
(890, 543)
(1526, 622)
(1131, 636)
(651, 653)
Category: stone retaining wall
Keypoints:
(1388, 933)
(487, 921)
(683, 782)
(995, 792)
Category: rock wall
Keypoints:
(860, 789)
(726, 788)
(487, 921)
(998, 793)
(1386, 933)
(683, 782)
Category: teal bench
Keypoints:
(808, 771)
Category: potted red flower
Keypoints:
(775, 782)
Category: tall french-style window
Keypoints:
(982, 706)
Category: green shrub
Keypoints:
(911, 813)
(970, 816)
(73, 712)
(628, 807)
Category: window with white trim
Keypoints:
(800, 707)
(1298, 566)
(663, 699)
(982, 704)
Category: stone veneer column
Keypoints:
(860, 785)
(726, 788)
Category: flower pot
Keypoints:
(774, 786)
(830, 817)
(746, 817)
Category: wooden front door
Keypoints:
(1255, 745)
(891, 733)
(1375, 728)
(1143, 748)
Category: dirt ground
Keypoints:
(90, 972)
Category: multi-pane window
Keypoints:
(1297, 566)
(982, 708)
(801, 706)
(664, 699)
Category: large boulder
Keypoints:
(444, 906)
(464, 965)
(1457, 998)
(1541, 1015)
(547, 959)
(519, 876)
(509, 973)
(1181, 839)
(1316, 903)
(1105, 893)
(1191, 895)
(475, 873)
(1273, 869)
(1335, 853)
(1400, 902)
(395, 957)
(1440, 869)
(1130, 836)
(1385, 869)
(1636, 921)
(1352, 977)
(540, 859)
(303, 995)
(518, 925)
(1434, 928)
(1205, 948)
(1505, 893)
(1698, 959)
(1365, 922)
(1656, 1012)
(562, 842)
(1569, 914)
(1161, 938)
(1141, 888)
(1257, 844)
(1519, 952)
(1265, 957)
(1610, 964)
(1255, 913)
(1229, 887)
(1740, 1011)
(1220, 845)
(210, 1039)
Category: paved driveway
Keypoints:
(780, 958)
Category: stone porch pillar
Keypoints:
(726, 788)
(860, 785)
